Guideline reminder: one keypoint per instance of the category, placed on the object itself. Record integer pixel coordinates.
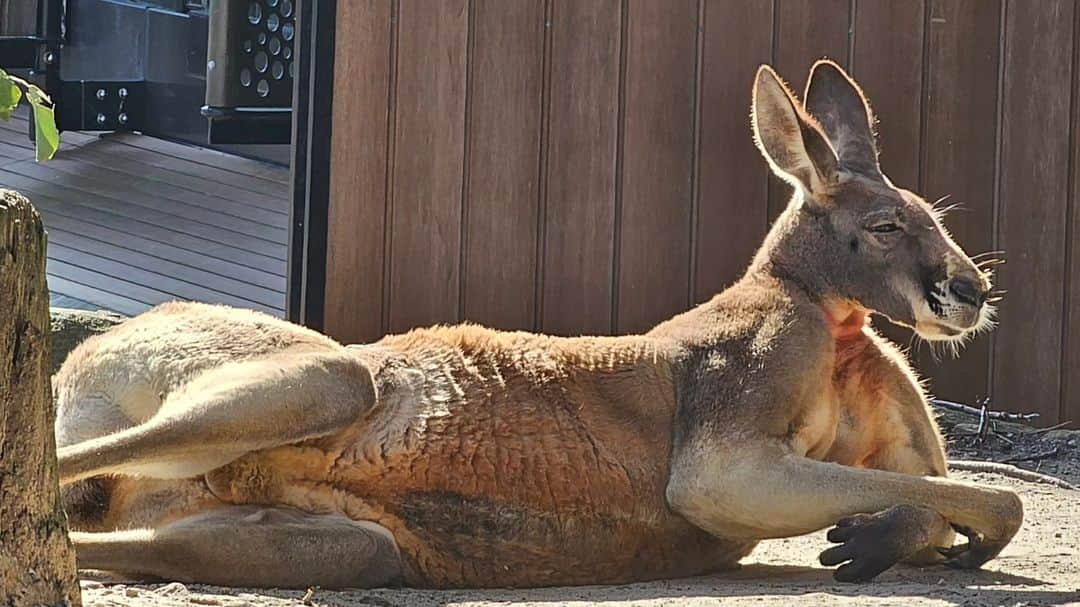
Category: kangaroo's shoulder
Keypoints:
(757, 343)
(758, 318)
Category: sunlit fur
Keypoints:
(466, 456)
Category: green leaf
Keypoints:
(46, 137)
(10, 94)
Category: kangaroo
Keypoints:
(210, 444)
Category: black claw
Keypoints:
(848, 573)
(973, 558)
(840, 534)
(860, 572)
(954, 551)
(835, 555)
(965, 531)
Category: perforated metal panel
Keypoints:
(251, 53)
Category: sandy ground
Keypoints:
(1040, 567)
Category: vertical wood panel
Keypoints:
(506, 81)
(658, 162)
(958, 156)
(733, 186)
(1034, 183)
(887, 61)
(1070, 360)
(354, 253)
(425, 246)
(474, 136)
(580, 195)
(806, 30)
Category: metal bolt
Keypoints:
(122, 118)
(101, 118)
(123, 92)
(50, 57)
(100, 94)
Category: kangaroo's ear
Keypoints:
(789, 138)
(844, 113)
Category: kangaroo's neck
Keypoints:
(790, 253)
(789, 272)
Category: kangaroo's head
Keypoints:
(849, 234)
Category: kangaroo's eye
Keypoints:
(884, 228)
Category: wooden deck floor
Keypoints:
(135, 221)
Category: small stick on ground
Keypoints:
(1012, 472)
(1054, 427)
(1034, 457)
(984, 412)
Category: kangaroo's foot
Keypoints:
(871, 543)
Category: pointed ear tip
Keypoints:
(826, 66)
(764, 71)
(767, 80)
(826, 61)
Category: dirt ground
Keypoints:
(1040, 567)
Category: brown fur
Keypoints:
(463, 456)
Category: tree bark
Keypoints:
(37, 561)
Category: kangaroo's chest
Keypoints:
(838, 405)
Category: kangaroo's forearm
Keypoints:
(764, 498)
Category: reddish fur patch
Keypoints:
(844, 320)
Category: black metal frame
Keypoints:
(108, 105)
(248, 125)
(164, 81)
(311, 134)
(20, 52)
(80, 105)
(38, 54)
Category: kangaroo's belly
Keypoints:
(544, 519)
(523, 486)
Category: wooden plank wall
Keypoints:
(585, 166)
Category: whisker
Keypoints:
(933, 205)
(987, 254)
(915, 344)
(936, 350)
(958, 206)
(911, 342)
(993, 300)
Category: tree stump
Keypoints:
(37, 561)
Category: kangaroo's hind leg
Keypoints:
(229, 411)
(250, 546)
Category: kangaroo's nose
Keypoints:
(967, 291)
